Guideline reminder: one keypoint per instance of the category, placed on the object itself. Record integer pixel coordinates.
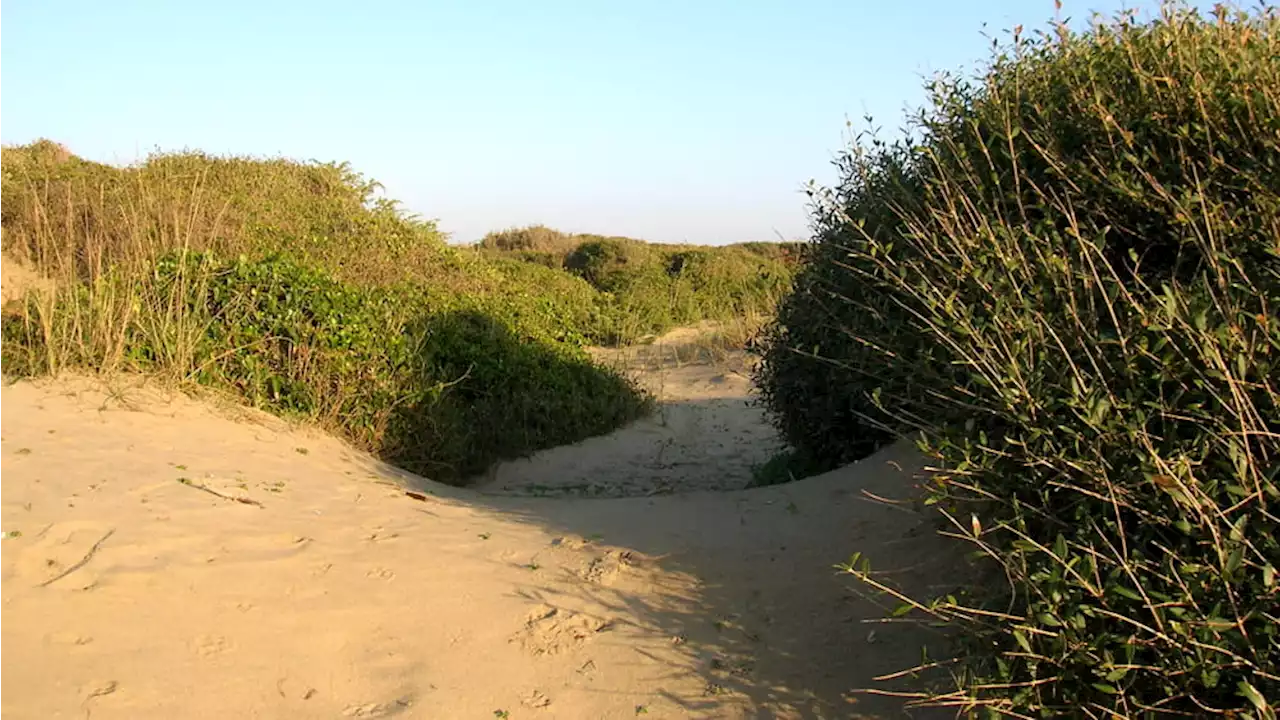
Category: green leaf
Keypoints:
(1060, 547)
(1234, 559)
(1022, 640)
(1255, 698)
(1049, 620)
(1237, 530)
(1117, 674)
(1126, 592)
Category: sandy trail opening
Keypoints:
(708, 432)
(167, 558)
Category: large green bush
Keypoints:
(1065, 285)
(433, 381)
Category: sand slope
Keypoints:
(174, 561)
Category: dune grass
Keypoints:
(294, 288)
(299, 288)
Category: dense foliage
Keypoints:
(295, 287)
(1066, 285)
(646, 288)
(436, 382)
(301, 289)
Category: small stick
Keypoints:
(88, 556)
(215, 493)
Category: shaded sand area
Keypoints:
(169, 558)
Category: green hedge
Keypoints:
(1066, 287)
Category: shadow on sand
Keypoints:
(738, 591)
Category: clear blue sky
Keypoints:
(694, 120)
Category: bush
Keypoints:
(69, 217)
(648, 288)
(74, 221)
(337, 307)
(437, 383)
(1066, 287)
(608, 264)
(534, 238)
(652, 288)
(298, 288)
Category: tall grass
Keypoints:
(74, 218)
(1066, 288)
(292, 287)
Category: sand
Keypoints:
(17, 279)
(708, 433)
(172, 558)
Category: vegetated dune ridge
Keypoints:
(166, 557)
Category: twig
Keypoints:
(211, 491)
(88, 556)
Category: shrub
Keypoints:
(534, 238)
(1066, 287)
(69, 217)
(648, 288)
(336, 307)
(435, 382)
(609, 263)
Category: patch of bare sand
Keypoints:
(163, 559)
(17, 279)
(708, 432)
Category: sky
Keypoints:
(673, 121)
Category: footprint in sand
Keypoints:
(381, 573)
(70, 638)
(548, 630)
(605, 569)
(98, 688)
(536, 699)
(376, 710)
(208, 646)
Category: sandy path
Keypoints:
(128, 593)
(708, 433)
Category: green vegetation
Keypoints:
(787, 466)
(645, 288)
(70, 217)
(298, 288)
(1065, 286)
(291, 287)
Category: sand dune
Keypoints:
(165, 558)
